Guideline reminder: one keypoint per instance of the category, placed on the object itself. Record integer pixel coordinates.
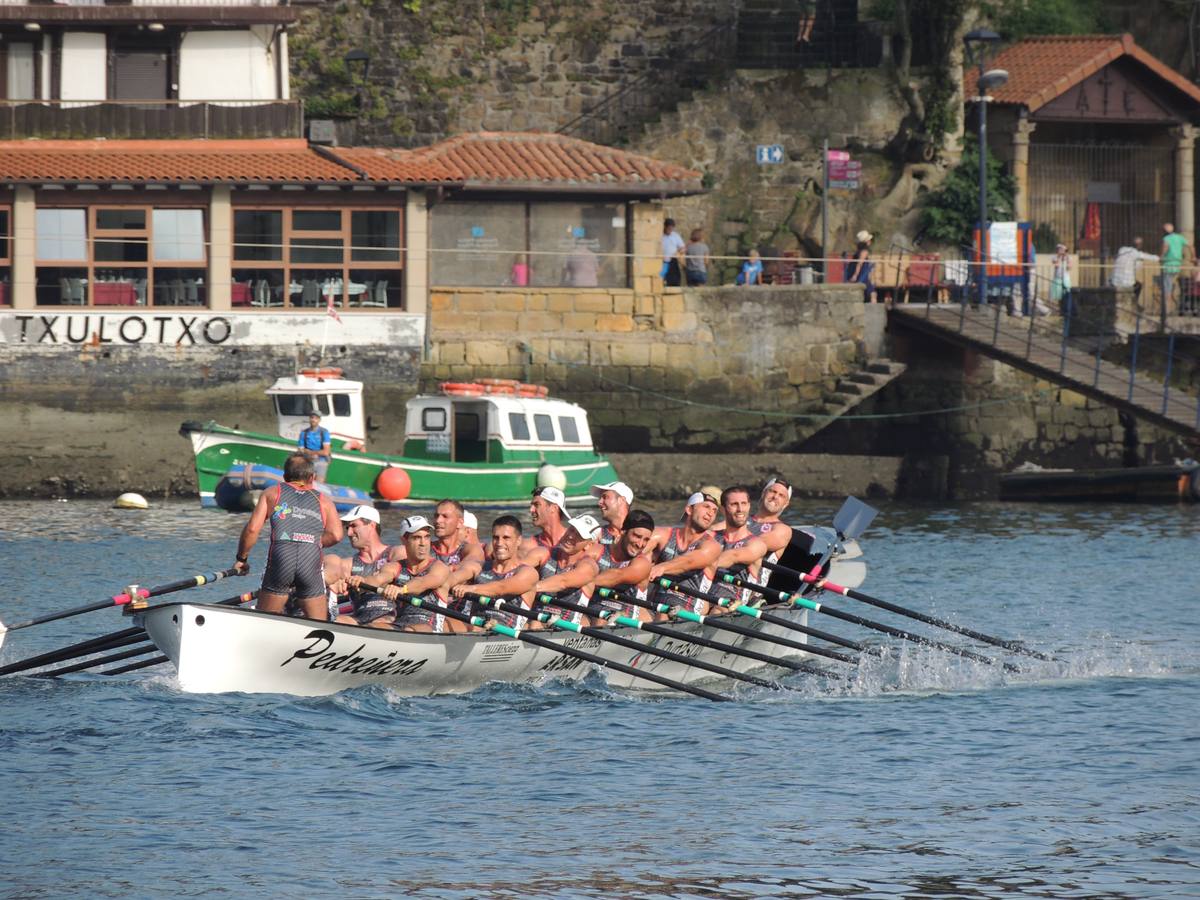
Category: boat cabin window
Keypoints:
(545, 427)
(519, 425)
(341, 404)
(568, 429)
(303, 404)
(433, 420)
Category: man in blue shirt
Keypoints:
(314, 443)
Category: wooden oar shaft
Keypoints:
(655, 628)
(601, 634)
(124, 598)
(853, 594)
(577, 654)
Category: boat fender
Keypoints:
(393, 484)
(131, 500)
(550, 475)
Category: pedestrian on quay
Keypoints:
(672, 251)
(1060, 278)
(697, 259)
(1174, 250)
(1124, 270)
(860, 267)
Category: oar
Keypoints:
(825, 584)
(752, 612)
(121, 600)
(796, 600)
(699, 640)
(714, 622)
(138, 665)
(555, 621)
(141, 650)
(600, 661)
(122, 638)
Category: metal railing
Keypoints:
(631, 106)
(117, 119)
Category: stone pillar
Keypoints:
(416, 253)
(1020, 167)
(646, 241)
(1185, 179)
(220, 248)
(24, 249)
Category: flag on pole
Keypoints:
(329, 306)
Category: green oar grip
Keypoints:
(688, 615)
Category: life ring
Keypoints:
(499, 382)
(533, 390)
(461, 388)
(321, 374)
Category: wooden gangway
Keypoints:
(1042, 346)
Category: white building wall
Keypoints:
(84, 66)
(227, 65)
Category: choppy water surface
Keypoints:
(924, 775)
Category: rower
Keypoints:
(362, 530)
(766, 524)
(614, 500)
(302, 522)
(686, 552)
(741, 550)
(548, 510)
(503, 576)
(568, 565)
(419, 575)
(470, 527)
(463, 557)
(624, 565)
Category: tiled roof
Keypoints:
(386, 164)
(171, 162)
(1042, 68)
(505, 159)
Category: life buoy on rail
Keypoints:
(462, 388)
(533, 390)
(321, 374)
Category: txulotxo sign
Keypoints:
(39, 328)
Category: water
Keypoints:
(925, 776)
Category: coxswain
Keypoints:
(548, 511)
(766, 524)
(303, 521)
(686, 552)
(624, 565)
(463, 557)
(419, 575)
(741, 550)
(362, 531)
(568, 566)
(503, 576)
(614, 500)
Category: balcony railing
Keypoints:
(148, 119)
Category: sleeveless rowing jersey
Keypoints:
(758, 529)
(407, 614)
(606, 562)
(607, 536)
(486, 576)
(694, 579)
(294, 561)
(451, 557)
(368, 605)
(721, 588)
(554, 564)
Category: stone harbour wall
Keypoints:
(682, 369)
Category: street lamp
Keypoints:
(978, 45)
(359, 60)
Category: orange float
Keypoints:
(533, 390)
(393, 484)
(321, 374)
(462, 388)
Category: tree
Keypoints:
(952, 210)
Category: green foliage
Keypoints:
(1045, 238)
(1020, 18)
(951, 212)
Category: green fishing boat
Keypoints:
(487, 443)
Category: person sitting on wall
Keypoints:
(1124, 270)
(314, 443)
(752, 270)
(859, 270)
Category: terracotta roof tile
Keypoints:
(383, 164)
(168, 161)
(511, 159)
(1043, 68)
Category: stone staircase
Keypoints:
(854, 388)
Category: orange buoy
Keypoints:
(393, 483)
(462, 388)
(320, 374)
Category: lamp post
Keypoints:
(978, 45)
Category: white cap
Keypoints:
(470, 520)
(774, 481)
(620, 488)
(552, 495)
(413, 524)
(370, 513)
(707, 494)
(585, 526)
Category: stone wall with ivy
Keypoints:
(439, 67)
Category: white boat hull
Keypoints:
(220, 649)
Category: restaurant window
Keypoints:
(121, 256)
(5, 258)
(544, 244)
(307, 258)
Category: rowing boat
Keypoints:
(222, 649)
